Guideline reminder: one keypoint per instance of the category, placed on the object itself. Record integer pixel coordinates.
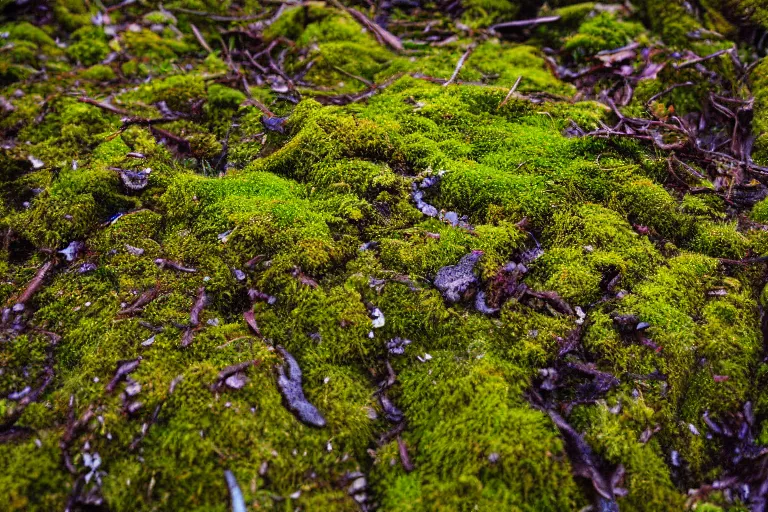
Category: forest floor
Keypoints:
(398, 256)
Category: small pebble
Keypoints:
(236, 381)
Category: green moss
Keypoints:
(99, 73)
(89, 46)
(321, 218)
(601, 32)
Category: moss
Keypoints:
(721, 240)
(151, 47)
(601, 32)
(321, 218)
(453, 470)
(99, 73)
(89, 46)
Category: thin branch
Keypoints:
(510, 93)
(460, 64)
(525, 23)
(200, 38)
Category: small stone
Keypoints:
(236, 381)
(71, 251)
(378, 318)
(396, 346)
(133, 389)
(136, 251)
(213, 322)
(149, 341)
(239, 274)
(358, 485)
(36, 162)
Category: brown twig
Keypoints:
(525, 23)
(702, 59)
(200, 38)
(511, 92)
(381, 34)
(460, 64)
(34, 285)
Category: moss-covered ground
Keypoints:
(237, 178)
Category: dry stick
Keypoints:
(404, 458)
(510, 93)
(350, 75)
(144, 299)
(687, 167)
(256, 103)
(382, 35)
(702, 59)
(200, 38)
(104, 106)
(216, 17)
(460, 64)
(667, 91)
(525, 23)
(35, 284)
(746, 261)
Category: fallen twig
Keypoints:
(33, 286)
(525, 23)
(460, 64)
(511, 92)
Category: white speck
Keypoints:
(213, 322)
(133, 389)
(223, 237)
(378, 318)
(88, 304)
(136, 251)
(370, 334)
(295, 495)
(95, 379)
(424, 358)
(206, 279)
(693, 429)
(589, 248)
(329, 446)
(581, 315)
(38, 443)
(326, 380)
(74, 165)
(36, 162)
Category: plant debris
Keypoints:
(289, 383)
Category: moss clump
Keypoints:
(601, 32)
(89, 45)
